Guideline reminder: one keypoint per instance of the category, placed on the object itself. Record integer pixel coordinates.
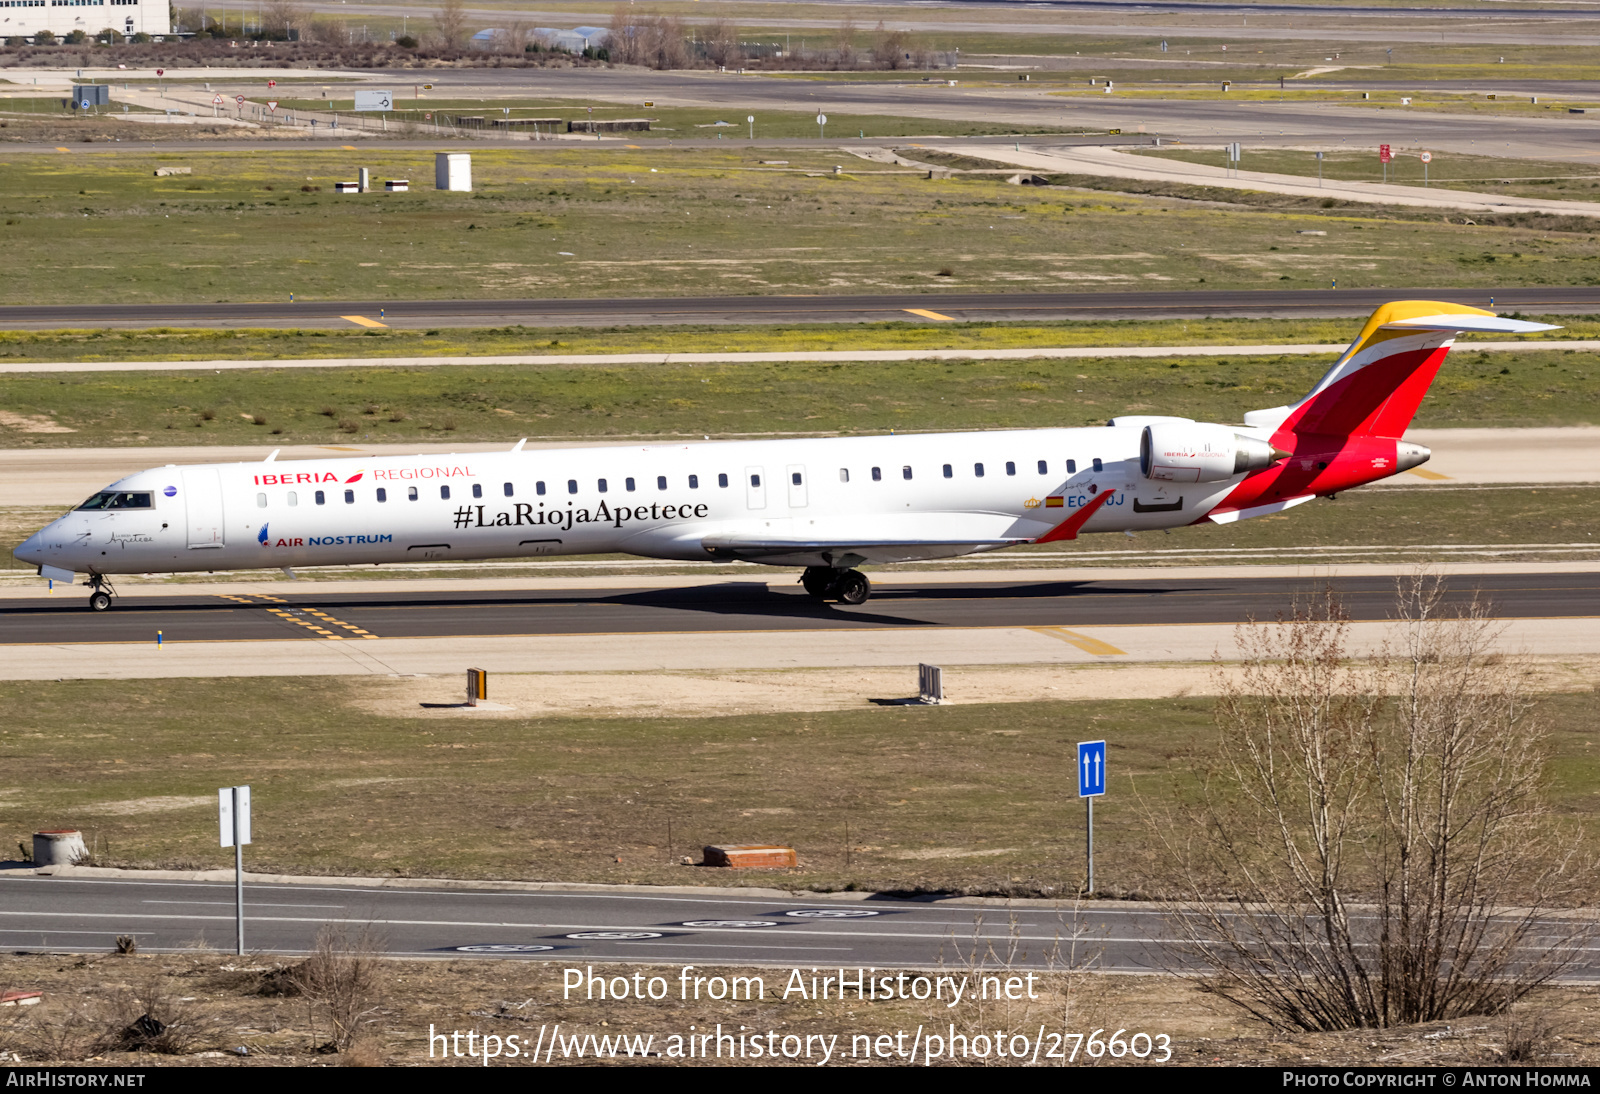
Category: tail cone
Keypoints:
(1408, 455)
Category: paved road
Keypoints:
(76, 914)
(791, 309)
(577, 927)
(299, 614)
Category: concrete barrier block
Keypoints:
(745, 856)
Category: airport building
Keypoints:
(25, 18)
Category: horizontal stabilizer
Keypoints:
(1469, 324)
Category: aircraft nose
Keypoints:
(30, 550)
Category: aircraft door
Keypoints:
(755, 488)
(202, 496)
(797, 486)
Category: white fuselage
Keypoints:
(891, 497)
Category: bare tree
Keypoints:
(644, 38)
(280, 17)
(844, 43)
(450, 24)
(1377, 827)
(890, 48)
(722, 43)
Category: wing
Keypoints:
(845, 552)
(880, 539)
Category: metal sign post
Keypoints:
(233, 816)
(1091, 785)
(1426, 158)
(1319, 170)
(1384, 156)
(822, 122)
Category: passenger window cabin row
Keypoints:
(320, 497)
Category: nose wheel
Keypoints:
(845, 586)
(100, 593)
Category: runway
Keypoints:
(297, 614)
(974, 307)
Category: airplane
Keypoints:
(827, 505)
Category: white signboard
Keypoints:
(374, 100)
(225, 800)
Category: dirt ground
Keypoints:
(225, 1011)
(710, 694)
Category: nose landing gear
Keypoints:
(100, 593)
(845, 586)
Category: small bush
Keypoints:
(348, 426)
(1526, 1034)
(397, 415)
(149, 1019)
(341, 980)
(945, 271)
(329, 412)
(257, 419)
(405, 41)
(208, 415)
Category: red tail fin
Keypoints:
(1375, 387)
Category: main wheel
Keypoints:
(816, 580)
(99, 601)
(852, 587)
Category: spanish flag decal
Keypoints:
(1054, 502)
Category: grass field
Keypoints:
(962, 798)
(489, 402)
(612, 221)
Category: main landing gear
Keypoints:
(845, 586)
(100, 593)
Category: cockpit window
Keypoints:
(115, 499)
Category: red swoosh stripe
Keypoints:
(1069, 528)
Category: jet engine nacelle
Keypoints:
(1200, 452)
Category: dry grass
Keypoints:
(502, 998)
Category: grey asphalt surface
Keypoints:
(78, 914)
(754, 606)
(791, 309)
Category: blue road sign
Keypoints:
(1091, 769)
